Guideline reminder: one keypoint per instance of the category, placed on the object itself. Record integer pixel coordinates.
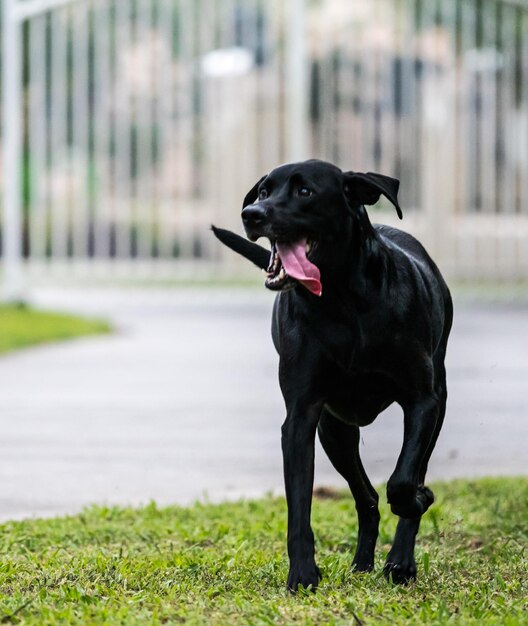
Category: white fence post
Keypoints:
(296, 82)
(113, 170)
(12, 288)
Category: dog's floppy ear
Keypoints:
(367, 188)
(252, 194)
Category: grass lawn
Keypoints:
(226, 564)
(22, 326)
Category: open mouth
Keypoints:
(289, 265)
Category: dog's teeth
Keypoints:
(308, 247)
(282, 273)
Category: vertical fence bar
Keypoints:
(272, 12)
(204, 156)
(200, 11)
(366, 97)
(135, 94)
(151, 121)
(466, 243)
(507, 196)
(235, 98)
(423, 70)
(407, 104)
(123, 187)
(488, 130)
(165, 85)
(80, 134)
(245, 34)
(523, 142)
(12, 157)
(143, 124)
(157, 109)
(58, 134)
(458, 107)
(296, 82)
(432, 122)
(400, 77)
(339, 97)
(490, 138)
(68, 121)
(324, 91)
(112, 136)
(165, 131)
(413, 145)
(351, 76)
(254, 32)
(507, 126)
(386, 68)
(523, 108)
(378, 69)
(446, 214)
(218, 109)
(37, 138)
(186, 38)
(469, 47)
(101, 128)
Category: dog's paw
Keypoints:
(363, 559)
(400, 572)
(425, 497)
(361, 565)
(419, 504)
(307, 575)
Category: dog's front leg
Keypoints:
(298, 437)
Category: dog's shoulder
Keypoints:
(411, 257)
(397, 239)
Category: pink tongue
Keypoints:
(294, 261)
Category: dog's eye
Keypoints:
(304, 192)
(263, 194)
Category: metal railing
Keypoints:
(130, 125)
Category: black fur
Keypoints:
(254, 253)
(377, 335)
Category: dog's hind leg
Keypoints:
(407, 497)
(400, 564)
(341, 443)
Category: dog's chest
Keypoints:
(358, 399)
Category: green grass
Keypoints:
(226, 564)
(21, 327)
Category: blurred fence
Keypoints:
(131, 125)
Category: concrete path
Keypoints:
(182, 403)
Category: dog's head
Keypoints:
(307, 210)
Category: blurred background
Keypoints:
(129, 126)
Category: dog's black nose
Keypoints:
(253, 215)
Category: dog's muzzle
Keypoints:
(254, 218)
(289, 263)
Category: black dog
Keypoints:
(361, 320)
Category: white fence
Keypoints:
(130, 125)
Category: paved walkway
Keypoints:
(182, 403)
